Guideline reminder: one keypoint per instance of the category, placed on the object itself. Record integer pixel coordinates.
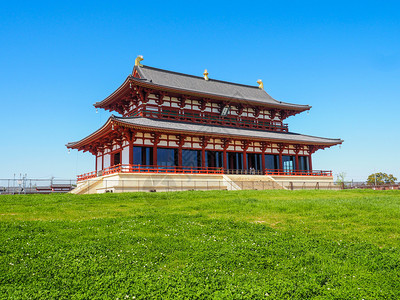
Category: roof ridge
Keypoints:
(199, 77)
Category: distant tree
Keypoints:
(340, 178)
(381, 178)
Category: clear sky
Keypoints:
(57, 58)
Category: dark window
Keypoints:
(137, 155)
(271, 162)
(167, 157)
(254, 161)
(303, 163)
(142, 156)
(288, 162)
(191, 158)
(116, 158)
(214, 159)
(235, 160)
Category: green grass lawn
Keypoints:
(201, 245)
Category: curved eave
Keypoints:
(107, 127)
(141, 82)
(244, 134)
(123, 88)
(95, 135)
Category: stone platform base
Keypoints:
(142, 182)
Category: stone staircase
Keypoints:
(251, 182)
(88, 186)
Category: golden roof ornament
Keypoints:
(260, 84)
(138, 59)
(205, 74)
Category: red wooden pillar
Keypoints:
(245, 146)
(309, 162)
(154, 154)
(263, 147)
(203, 157)
(96, 161)
(180, 143)
(263, 162)
(281, 147)
(155, 140)
(180, 156)
(102, 159)
(244, 159)
(297, 162)
(225, 145)
(224, 158)
(131, 152)
(203, 143)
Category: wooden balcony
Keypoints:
(213, 119)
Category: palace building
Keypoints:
(172, 124)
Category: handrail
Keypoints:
(86, 176)
(243, 172)
(298, 172)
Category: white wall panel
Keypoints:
(125, 156)
(107, 160)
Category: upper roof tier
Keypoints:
(186, 84)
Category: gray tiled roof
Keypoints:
(219, 130)
(212, 87)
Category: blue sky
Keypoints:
(57, 58)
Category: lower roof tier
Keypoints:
(184, 128)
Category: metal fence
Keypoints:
(364, 185)
(36, 186)
(47, 186)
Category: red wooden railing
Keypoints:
(212, 118)
(298, 172)
(152, 169)
(86, 176)
(194, 170)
